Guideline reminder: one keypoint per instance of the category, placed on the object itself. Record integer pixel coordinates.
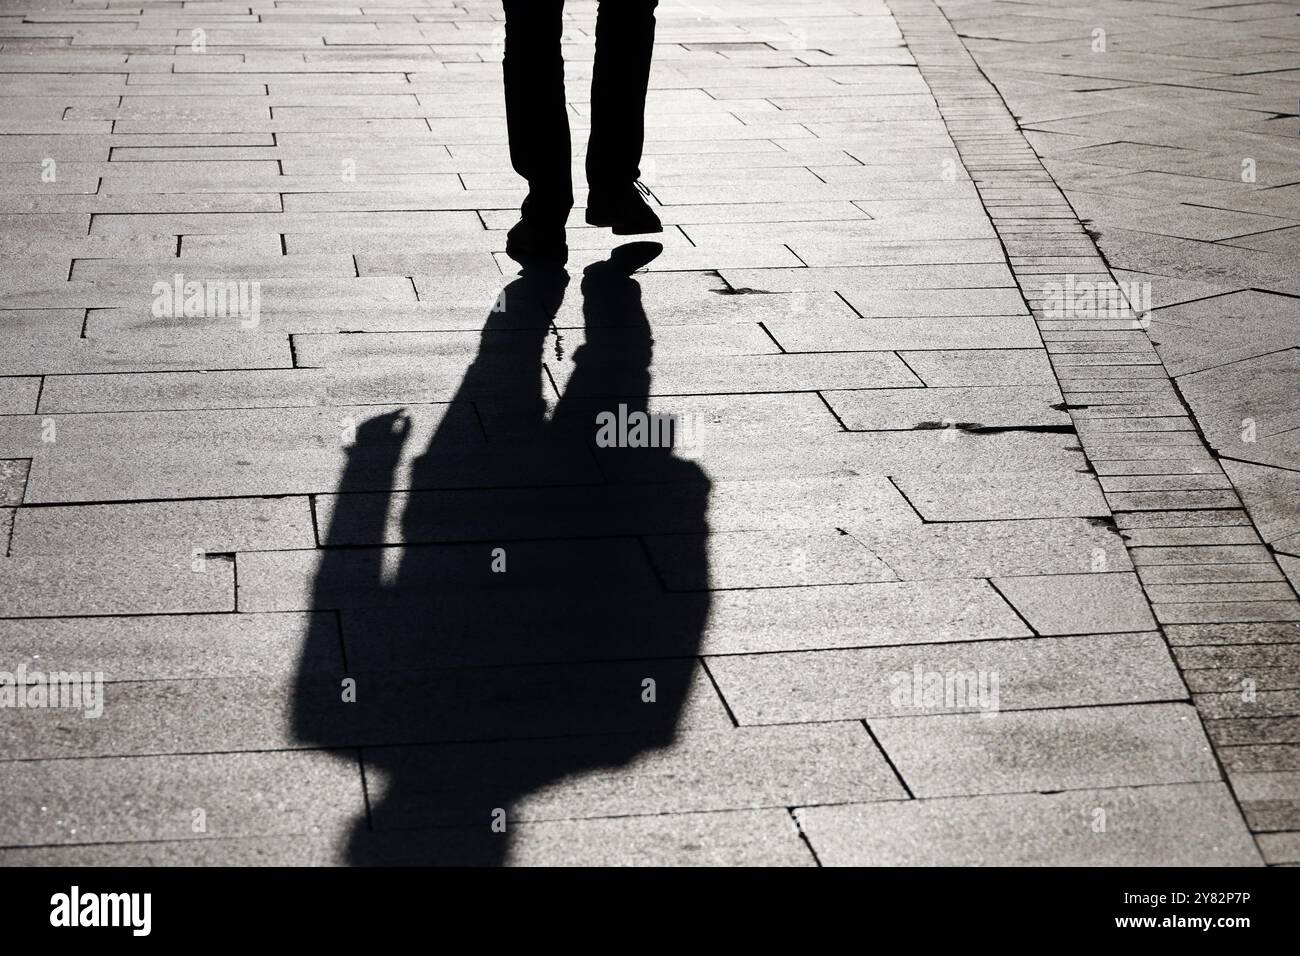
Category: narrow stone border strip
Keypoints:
(1230, 616)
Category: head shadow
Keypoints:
(501, 626)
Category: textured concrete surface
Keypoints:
(933, 571)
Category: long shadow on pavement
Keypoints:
(516, 632)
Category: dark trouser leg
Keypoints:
(536, 114)
(625, 35)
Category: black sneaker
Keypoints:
(530, 241)
(625, 211)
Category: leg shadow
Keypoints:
(516, 633)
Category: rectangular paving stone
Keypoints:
(77, 584)
(147, 647)
(1002, 675)
(1219, 634)
(1269, 799)
(1279, 848)
(856, 615)
(492, 514)
(727, 838)
(958, 303)
(1189, 824)
(1079, 603)
(987, 548)
(867, 279)
(207, 454)
(13, 480)
(992, 407)
(945, 367)
(227, 348)
(315, 578)
(913, 332)
(1057, 749)
(118, 800)
(304, 708)
(1209, 573)
(175, 528)
(742, 768)
(1001, 496)
(754, 559)
(18, 395)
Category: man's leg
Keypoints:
(536, 114)
(625, 34)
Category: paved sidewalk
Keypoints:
(291, 454)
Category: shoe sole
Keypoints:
(621, 230)
(560, 255)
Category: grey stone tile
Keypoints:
(263, 850)
(1079, 603)
(750, 374)
(1270, 495)
(1192, 824)
(495, 513)
(987, 548)
(856, 616)
(916, 332)
(942, 367)
(148, 647)
(18, 395)
(1269, 799)
(1063, 749)
(865, 280)
(118, 799)
(148, 353)
(766, 837)
(1280, 847)
(410, 707)
(756, 559)
(208, 454)
(1287, 610)
(1003, 495)
(992, 407)
(729, 838)
(891, 681)
(957, 303)
(743, 768)
(1281, 632)
(1261, 570)
(173, 527)
(13, 480)
(77, 584)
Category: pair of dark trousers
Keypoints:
(536, 113)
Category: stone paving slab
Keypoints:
(895, 456)
(120, 800)
(802, 686)
(1066, 749)
(744, 768)
(727, 838)
(1135, 826)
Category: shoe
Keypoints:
(625, 211)
(530, 240)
